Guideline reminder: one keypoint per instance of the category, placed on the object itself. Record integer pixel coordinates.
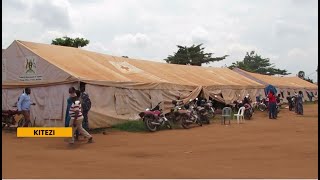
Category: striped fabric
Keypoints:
(75, 107)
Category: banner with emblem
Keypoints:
(30, 70)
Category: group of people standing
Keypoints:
(297, 100)
(78, 107)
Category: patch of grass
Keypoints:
(130, 126)
(308, 102)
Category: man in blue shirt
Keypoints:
(24, 104)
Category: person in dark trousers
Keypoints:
(300, 103)
(272, 105)
(86, 106)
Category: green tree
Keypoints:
(309, 80)
(255, 63)
(67, 41)
(193, 55)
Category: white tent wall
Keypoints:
(111, 105)
(51, 103)
(314, 92)
(232, 94)
(17, 60)
(292, 91)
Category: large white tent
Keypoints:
(119, 87)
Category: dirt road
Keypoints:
(260, 148)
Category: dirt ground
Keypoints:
(260, 148)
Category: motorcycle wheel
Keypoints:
(198, 120)
(168, 125)
(262, 107)
(184, 122)
(4, 122)
(210, 115)
(21, 123)
(206, 119)
(148, 123)
(247, 115)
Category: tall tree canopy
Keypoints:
(253, 62)
(193, 55)
(67, 41)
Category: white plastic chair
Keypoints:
(240, 115)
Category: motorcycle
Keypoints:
(201, 111)
(236, 105)
(205, 111)
(263, 105)
(211, 110)
(9, 118)
(190, 115)
(248, 111)
(176, 112)
(154, 118)
(291, 102)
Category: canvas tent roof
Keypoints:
(104, 69)
(119, 87)
(280, 82)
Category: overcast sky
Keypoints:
(286, 31)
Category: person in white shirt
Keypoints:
(75, 113)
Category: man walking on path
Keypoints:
(24, 104)
(76, 119)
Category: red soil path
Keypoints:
(260, 148)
